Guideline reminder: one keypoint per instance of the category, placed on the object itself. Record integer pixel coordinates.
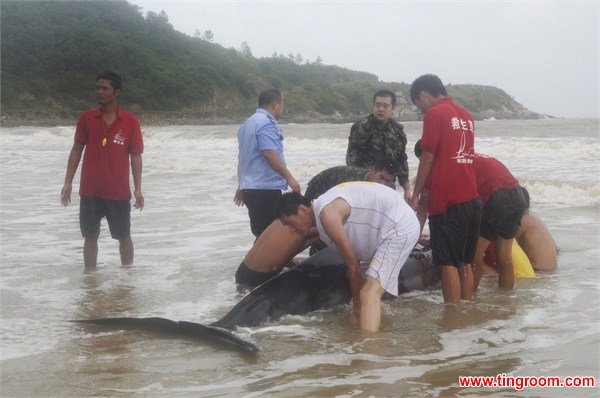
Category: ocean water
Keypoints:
(191, 237)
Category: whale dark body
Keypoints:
(319, 282)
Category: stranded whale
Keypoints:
(319, 282)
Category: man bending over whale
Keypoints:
(276, 246)
(373, 230)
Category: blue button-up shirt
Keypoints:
(258, 133)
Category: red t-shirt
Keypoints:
(105, 169)
(492, 175)
(449, 133)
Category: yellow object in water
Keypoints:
(521, 263)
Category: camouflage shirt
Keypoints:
(370, 141)
(331, 177)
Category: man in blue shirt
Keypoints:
(262, 173)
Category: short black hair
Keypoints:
(269, 97)
(389, 165)
(288, 203)
(428, 83)
(418, 149)
(385, 93)
(112, 77)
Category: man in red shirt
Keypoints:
(503, 206)
(446, 172)
(111, 137)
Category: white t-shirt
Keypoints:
(382, 228)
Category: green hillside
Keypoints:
(51, 52)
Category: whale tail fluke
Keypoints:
(181, 328)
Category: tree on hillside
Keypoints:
(208, 36)
(246, 50)
(161, 18)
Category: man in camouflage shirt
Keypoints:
(381, 172)
(379, 136)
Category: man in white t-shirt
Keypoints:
(371, 227)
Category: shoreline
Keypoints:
(48, 121)
(166, 119)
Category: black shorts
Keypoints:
(502, 214)
(260, 204)
(117, 213)
(526, 194)
(247, 277)
(454, 233)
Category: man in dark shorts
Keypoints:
(504, 203)
(262, 171)
(111, 138)
(272, 251)
(446, 172)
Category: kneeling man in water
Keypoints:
(373, 230)
(536, 241)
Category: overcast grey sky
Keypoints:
(543, 53)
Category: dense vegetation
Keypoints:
(52, 50)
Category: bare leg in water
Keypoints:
(126, 250)
(90, 249)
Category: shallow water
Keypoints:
(190, 238)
